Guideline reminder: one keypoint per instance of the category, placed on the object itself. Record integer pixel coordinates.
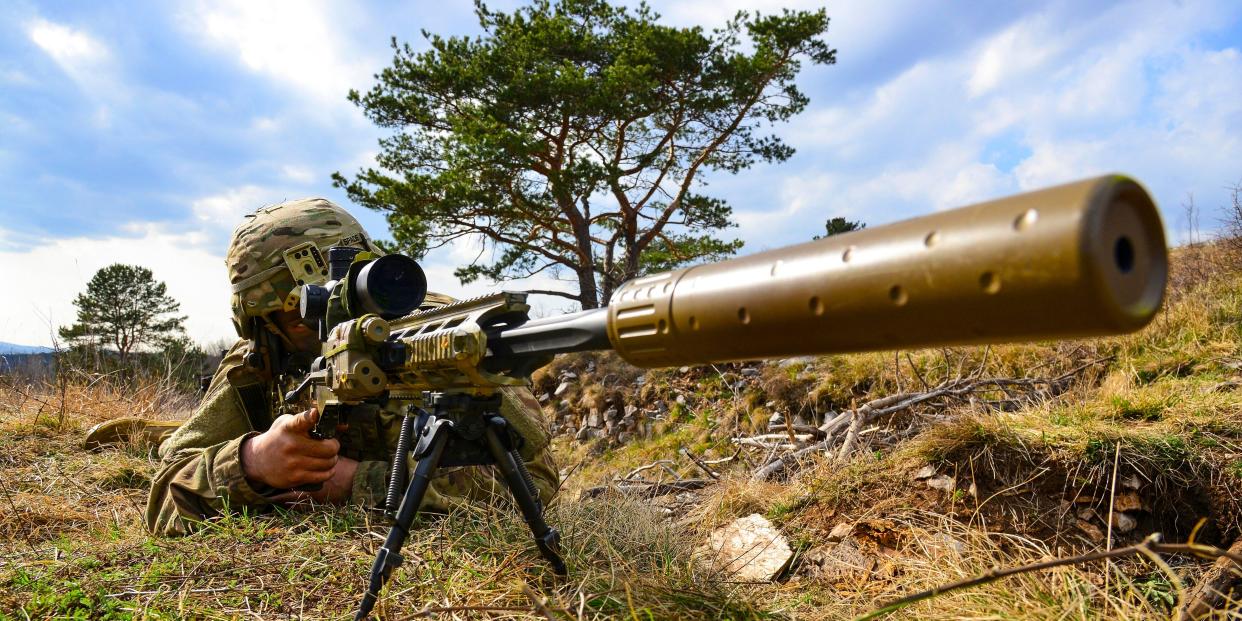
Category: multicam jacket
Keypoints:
(201, 472)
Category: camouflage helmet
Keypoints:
(280, 247)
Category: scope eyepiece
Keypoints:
(313, 305)
(390, 286)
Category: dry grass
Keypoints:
(1162, 409)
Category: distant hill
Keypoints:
(7, 349)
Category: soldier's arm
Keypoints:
(201, 475)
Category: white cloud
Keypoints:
(300, 174)
(85, 59)
(52, 272)
(227, 208)
(298, 43)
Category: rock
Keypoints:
(568, 375)
(583, 434)
(610, 428)
(835, 563)
(624, 437)
(926, 472)
(681, 399)
(1128, 501)
(840, 531)
(597, 434)
(943, 483)
(1087, 514)
(749, 372)
(544, 397)
(590, 367)
(594, 420)
(785, 363)
(561, 389)
(776, 419)
(683, 369)
(1123, 522)
(1092, 531)
(1131, 482)
(631, 411)
(640, 381)
(749, 549)
(611, 415)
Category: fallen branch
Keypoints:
(1147, 547)
(648, 489)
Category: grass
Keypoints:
(1160, 410)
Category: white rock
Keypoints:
(926, 472)
(749, 549)
(561, 389)
(1124, 522)
(840, 531)
(943, 482)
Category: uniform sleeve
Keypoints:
(370, 484)
(200, 474)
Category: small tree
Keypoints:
(125, 307)
(838, 225)
(572, 135)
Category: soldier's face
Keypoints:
(304, 339)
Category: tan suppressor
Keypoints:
(1081, 259)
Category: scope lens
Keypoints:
(391, 286)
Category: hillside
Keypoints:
(885, 474)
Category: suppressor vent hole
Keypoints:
(694, 322)
(662, 327)
(817, 307)
(990, 283)
(1123, 254)
(366, 370)
(1026, 220)
(898, 295)
(743, 315)
(932, 239)
(847, 255)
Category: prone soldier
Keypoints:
(245, 447)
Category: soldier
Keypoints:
(244, 446)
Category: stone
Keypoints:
(640, 381)
(544, 397)
(749, 372)
(594, 420)
(683, 369)
(926, 472)
(1128, 501)
(568, 375)
(561, 389)
(583, 434)
(839, 563)
(840, 532)
(1093, 532)
(631, 411)
(776, 419)
(943, 483)
(1087, 514)
(750, 549)
(1123, 522)
(785, 363)
(611, 415)
(624, 437)
(1131, 482)
(681, 399)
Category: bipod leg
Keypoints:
(524, 492)
(429, 452)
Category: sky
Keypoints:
(140, 132)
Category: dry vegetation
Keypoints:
(1158, 419)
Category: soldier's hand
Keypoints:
(335, 491)
(286, 456)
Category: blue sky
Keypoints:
(140, 131)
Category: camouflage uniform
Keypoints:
(201, 472)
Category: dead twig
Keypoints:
(1147, 547)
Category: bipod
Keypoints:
(462, 431)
